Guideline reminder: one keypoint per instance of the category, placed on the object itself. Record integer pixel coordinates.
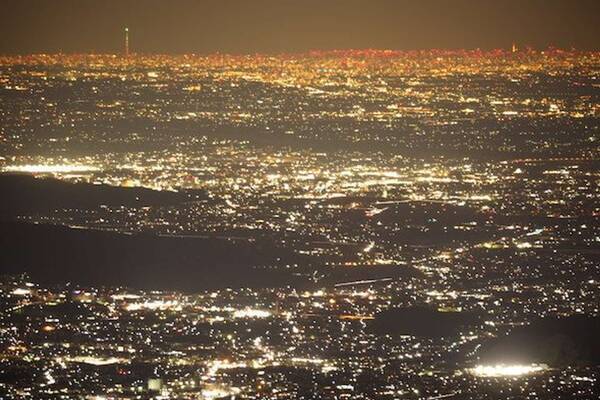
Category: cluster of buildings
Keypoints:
(66, 342)
(471, 176)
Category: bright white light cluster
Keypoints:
(154, 305)
(251, 313)
(49, 169)
(96, 360)
(21, 292)
(507, 370)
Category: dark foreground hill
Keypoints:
(24, 194)
(420, 321)
(574, 340)
(55, 254)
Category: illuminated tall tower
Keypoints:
(126, 42)
(514, 48)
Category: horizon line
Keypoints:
(357, 51)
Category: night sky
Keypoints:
(274, 26)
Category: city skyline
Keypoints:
(269, 26)
(250, 200)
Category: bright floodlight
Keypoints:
(506, 370)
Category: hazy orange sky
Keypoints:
(247, 26)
